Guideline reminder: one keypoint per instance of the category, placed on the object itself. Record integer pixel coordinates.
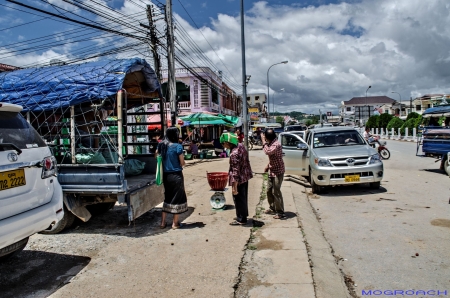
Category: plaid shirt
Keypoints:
(240, 170)
(275, 153)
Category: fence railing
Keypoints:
(395, 134)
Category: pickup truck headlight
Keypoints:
(375, 159)
(322, 162)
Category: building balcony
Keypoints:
(182, 106)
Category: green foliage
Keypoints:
(384, 120)
(373, 121)
(413, 115)
(441, 120)
(315, 119)
(418, 121)
(280, 120)
(410, 124)
(308, 122)
(296, 115)
(395, 123)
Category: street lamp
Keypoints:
(400, 102)
(273, 101)
(366, 101)
(268, 102)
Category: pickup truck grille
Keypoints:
(342, 162)
(342, 176)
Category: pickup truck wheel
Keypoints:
(64, 223)
(375, 185)
(100, 208)
(314, 187)
(446, 169)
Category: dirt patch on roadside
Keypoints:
(263, 243)
(441, 222)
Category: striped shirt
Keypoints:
(275, 153)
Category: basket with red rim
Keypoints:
(217, 180)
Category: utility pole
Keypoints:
(410, 105)
(156, 62)
(244, 80)
(153, 40)
(171, 79)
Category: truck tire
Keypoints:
(446, 168)
(15, 248)
(64, 223)
(315, 189)
(100, 208)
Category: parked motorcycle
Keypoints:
(380, 145)
(253, 141)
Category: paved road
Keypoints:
(395, 238)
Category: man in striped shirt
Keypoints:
(272, 148)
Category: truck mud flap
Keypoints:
(144, 200)
(73, 206)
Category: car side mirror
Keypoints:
(302, 146)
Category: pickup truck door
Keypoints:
(295, 160)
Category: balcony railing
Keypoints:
(185, 105)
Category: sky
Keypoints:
(334, 49)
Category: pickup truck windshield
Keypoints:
(337, 138)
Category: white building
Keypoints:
(359, 109)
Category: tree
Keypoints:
(418, 121)
(410, 124)
(373, 121)
(412, 115)
(395, 123)
(280, 120)
(384, 120)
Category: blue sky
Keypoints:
(335, 49)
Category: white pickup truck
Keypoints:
(331, 156)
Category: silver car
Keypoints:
(331, 156)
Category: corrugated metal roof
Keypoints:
(369, 100)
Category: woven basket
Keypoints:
(217, 180)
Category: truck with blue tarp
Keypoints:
(94, 117)
(434, 140)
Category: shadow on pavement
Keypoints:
(38, 274)
(437, 171)
(115, 222)
(350, 190)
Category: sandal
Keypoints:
(279, 216)
(163, 226)
(269, 211)
(177, 227)
(236, 223)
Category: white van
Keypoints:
(31, 198)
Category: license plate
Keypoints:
(12, 179)
(352, 178)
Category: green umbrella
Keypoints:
(231, 119)
(207, 119)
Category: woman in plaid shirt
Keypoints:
(273, 149)
(239, 173)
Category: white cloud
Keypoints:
(336, 51)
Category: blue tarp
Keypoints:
(437, 110)
(53, 87)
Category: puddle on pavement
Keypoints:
(441, 222)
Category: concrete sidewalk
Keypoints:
(276, 263)
(207, 257)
